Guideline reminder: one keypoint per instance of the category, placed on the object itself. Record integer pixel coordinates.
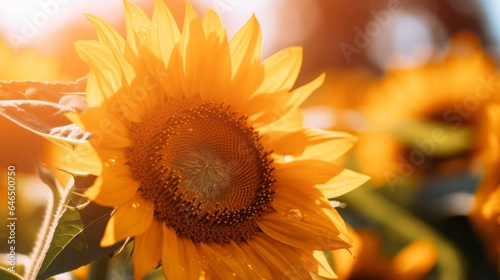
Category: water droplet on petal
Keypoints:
(336, 203)
(110, 162)
(288, 158)
(294, 215)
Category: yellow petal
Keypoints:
(104, 78)
(164, 33)
(317, 277)
(283, 103)
(192, 38)
(247, 74)
(107, 35)
(416, 259)
(115, 186)
(130, 219)
(131, 104)
(324, 268)
(212, 24)
(281, 70)
(264, 109)
(299, 95)
(307, 199)
(491, 208)
(174, 81)
(340, 225)
(253, 264)
(215, 66)
(345, 260)
(306, 206)
(82, 160)
(306, 172)
(282, 260)
(342, 183)
(308, 143)
(136, 27)
(329, 150)
(113, 156)
(221, 263)
(291, 121)
(189, 254)
(303, 230)
(246, 49)
(106, 129)
(147, 250)
(173, 267)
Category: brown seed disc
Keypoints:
(204, 169)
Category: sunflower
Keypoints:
(428, 116)
(485, 214)
(414, 261)
(336, 105)
(202, 153)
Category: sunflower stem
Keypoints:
(406, 225)
(47, 229)
(99, 269)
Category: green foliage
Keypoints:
(76, 240)
(5, 274)
(443, 139)
(40, 107)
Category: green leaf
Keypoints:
(48, 178)
(40, 107)
(79, 183)
(405, 225)
(45, 119)
(6, 274)
(44, 91)
(78, 200)
(440, 139)
(76, 240)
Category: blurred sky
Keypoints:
(321, 26)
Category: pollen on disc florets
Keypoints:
(204, 169)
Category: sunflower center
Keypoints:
(204, 169)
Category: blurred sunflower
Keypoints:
(485, 214)
(414, 261)
(26, 64)
(427, 116)
(202, 152)
(336, 105)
